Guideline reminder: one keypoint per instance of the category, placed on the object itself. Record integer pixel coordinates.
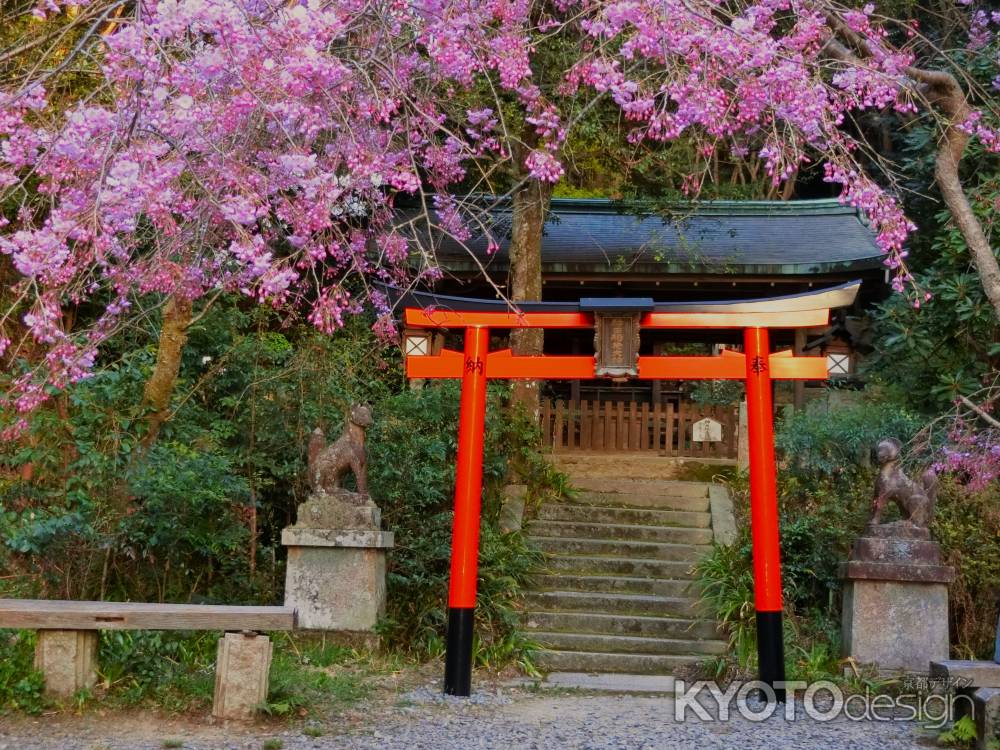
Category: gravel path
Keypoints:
(506, 719)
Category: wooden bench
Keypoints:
(66, 652)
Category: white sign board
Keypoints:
(706, 430)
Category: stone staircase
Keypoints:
(616, 593)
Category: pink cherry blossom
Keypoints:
(262, 147)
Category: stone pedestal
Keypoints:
(67, 659)
(335, 577)
(895, 613)
(242, 667)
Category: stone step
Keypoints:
(550, 660)
(604, 603)
(653, 487)
(615, 584)
(689, 553)
(625, 644)
(632, 516)
(627, 532)
(624, 566)
(635, 625)
(653, 500)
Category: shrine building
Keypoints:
(711, 251)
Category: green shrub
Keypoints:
(821, 442)
(21, 685)
(726, 578)
(811, 552)
(412, 452)
(821, 512)
(716, 392)
(173, 670)
(967, 525)
(186, 519)
(824, 506)
(961, 734)
(197, 513)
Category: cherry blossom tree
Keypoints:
(260, 147)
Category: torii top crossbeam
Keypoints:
(617, 324)
(806, 310)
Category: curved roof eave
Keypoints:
(500, 265)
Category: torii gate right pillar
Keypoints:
(764, 511)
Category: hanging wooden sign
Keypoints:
(706, 430)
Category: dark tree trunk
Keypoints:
(530, 205)
(944, 91)
(159, 388)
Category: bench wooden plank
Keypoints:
(49, 614)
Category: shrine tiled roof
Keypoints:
(741, 237)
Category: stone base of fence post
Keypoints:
(742, 439)
(242, 669)
(67, 659)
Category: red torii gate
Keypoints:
(618, 323)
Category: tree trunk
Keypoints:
(943, 92)
(159, 388)
(949, 182)
(530, 204)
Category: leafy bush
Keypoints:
(824, 492)
(967, 525)
(412, 452)
(823, 442)
(186, 518)
(21, 684)
(823, 508)
(91, 508)
(818, 524)
(716, 392)
(173, 670)
(726, 579)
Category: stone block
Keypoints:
(512, 508)
(897, 550)
(896, 625)
(242, 670)
(723, 518)
(743, 438)
(296, 536)
(335, 588)
(67, 659)
(977, 674)
(329, 511)
(986, 707)
(897, 572)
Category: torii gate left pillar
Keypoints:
(465, 528)
(756, 365)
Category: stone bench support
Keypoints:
(242, 668)
(68, 659)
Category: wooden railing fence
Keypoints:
(658, 428)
